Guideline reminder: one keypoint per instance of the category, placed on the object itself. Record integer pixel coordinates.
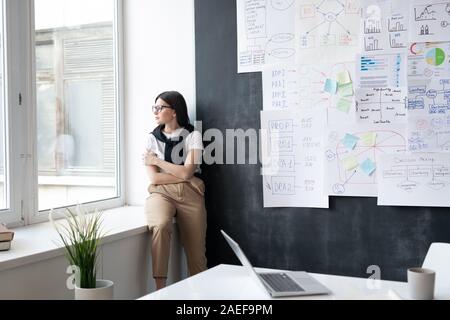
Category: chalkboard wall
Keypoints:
(344, 240)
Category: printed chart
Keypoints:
(430, 21)
(429, 79)
(414, 180)
(292, 156)
(385, 26)
(351, 157)
(328, 31)
(429, 60)
(381, 71)
(266, 33)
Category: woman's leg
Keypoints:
(160, 212)
(191, 218)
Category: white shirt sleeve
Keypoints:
(194, 141)
(151, 144)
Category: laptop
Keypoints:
(280, 284)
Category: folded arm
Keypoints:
(158, 178)
(183, 172)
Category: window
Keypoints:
(76, 102)
(60, 112)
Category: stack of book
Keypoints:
(6, 237)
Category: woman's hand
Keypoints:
(150, 159)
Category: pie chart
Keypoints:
(435, 57)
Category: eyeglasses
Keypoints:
(158, 109)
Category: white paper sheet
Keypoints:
(384, 28)
(266, 33)
(429, 60)
(381, 105)
(327, 31)
(292, 149)
(341, 181)
(430, 21)
(414, 180)
(429, 79)
(381, 71)
(303, 87)
(429, 133)
(429, 97)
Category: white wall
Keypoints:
(127, 262)
(159, 56)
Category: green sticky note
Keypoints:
(343, 78)
(346, 90)
(368, 139)
(344, 105)
(350, 163)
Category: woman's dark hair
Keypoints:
(177, 102)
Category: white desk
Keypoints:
(226, 282)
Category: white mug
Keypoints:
(421, 283)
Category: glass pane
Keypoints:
(3, 159)
(82, 97)
(76, 102)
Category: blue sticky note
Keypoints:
(368, 167)
(350, 141)
(330, 86)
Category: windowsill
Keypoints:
(40, 242)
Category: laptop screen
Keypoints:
(238, 252)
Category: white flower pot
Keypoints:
(103, 291)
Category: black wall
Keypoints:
(345, 239)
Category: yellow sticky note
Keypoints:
(350, 163)
(343, 78)
(368, 139)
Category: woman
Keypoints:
(172, 160)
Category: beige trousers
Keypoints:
(188, 205)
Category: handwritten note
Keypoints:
(381, 105)
(420, 179)
(292, 158)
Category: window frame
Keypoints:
(16, 154)
(23, 151)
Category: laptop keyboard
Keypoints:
(280, 282)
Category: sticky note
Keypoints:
(330, 86)
(343, 78)
(344, 105)
(368, 167)
(346, 90)
(369, 139)
(350, 163)
(350, 141)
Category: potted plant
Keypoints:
(80, 235)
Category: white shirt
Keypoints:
(193, 141)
